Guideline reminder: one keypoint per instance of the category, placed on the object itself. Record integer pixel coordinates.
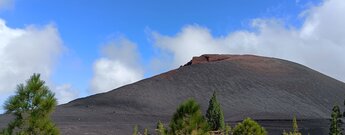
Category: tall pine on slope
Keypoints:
(294, 128)
(214, 114)
(161, 129)
(146, 131)
(336, 128)
(188, 119)
(31, 107)
(344, 111)
(135, 130)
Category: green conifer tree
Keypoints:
(31, 107)
(214, 114)
(344, 110)
(135, 130)
(294, 128)
(336, 123)
(188, 119)
(161, 129)
(146, 132)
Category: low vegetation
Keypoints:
(249, 127)
(188, 120)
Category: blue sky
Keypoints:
(85, 25)
(153, 27)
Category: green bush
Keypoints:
(227, 129)
(249, 127)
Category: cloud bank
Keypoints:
(118, 66)
(319, 43)
(24, 51)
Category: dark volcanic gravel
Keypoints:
(268, 90)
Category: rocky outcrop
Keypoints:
(208, 58)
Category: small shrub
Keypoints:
(249, 127)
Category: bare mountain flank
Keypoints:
(268, 90)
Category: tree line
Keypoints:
(188, 120)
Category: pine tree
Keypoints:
(336, 123)
(135, 130)
(31, 107)
(214, 114)
(344, 111)
(294, 125)
(146, 132)
(249, 127)
(294, 128)
(188, 119)
(161, 129)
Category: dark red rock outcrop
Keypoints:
(209, 58)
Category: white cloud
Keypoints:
(319, 43)
(24, 51)
(118, 66)
(65, 93)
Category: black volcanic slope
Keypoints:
(268, 90)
